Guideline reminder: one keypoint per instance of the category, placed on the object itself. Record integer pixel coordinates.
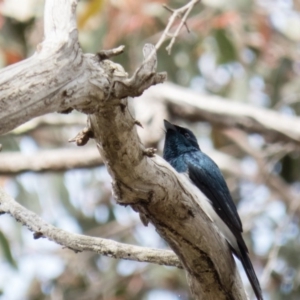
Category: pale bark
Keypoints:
(49, 121)
(222, 112)
(59, 77)
(55, 160)
(79, 243)
(12, 163)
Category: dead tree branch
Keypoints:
(182, 13)
(49, 160)
(56, 160)
(58, 77)
(222, 113)
(147, 185)
(79, 243)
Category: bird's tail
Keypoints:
(245, 260)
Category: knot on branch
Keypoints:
(150, 152)
(83, 136)
(128, 195)
(122, 192)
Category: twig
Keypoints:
(105, 54)
(182, 11)
(79, 243)
(82, 137)
(185, 11)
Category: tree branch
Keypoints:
(55, 160)
(147, 184)
(50, 120)
(79, 243)
(58, 78)
(222, 113)
(46, 73)
(49, 160)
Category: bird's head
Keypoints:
(179, 140)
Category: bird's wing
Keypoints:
(206, 175)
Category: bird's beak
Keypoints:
(169, 126)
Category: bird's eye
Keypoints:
(186, 135)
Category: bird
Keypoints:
(183, 153)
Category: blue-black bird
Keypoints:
(182, 151)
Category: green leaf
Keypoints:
(227, 52)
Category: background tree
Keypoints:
(244, 52)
